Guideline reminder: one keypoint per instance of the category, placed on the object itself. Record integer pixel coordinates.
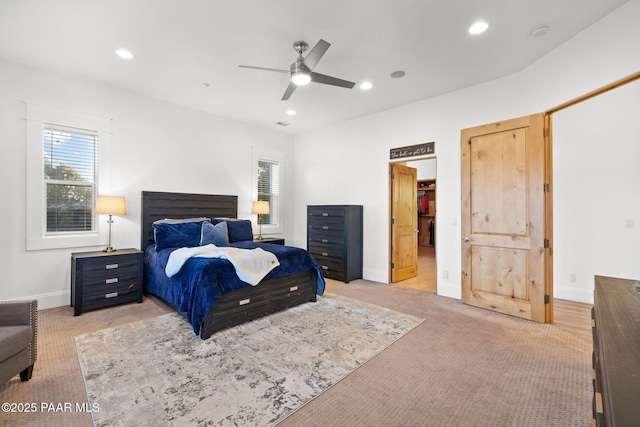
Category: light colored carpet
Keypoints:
(157, 372)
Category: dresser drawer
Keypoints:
(326, 212)
(330, 268)
(331, 250)
(324, 238)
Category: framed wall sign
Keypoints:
(412, 150)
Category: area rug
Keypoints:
(156, 372)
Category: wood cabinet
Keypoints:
(616, 351)
(334, 239)
(103, 279)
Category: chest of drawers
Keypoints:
(103, 279)
(334, 239)
(616, 352)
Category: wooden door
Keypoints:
(503, 217)
(404, 222)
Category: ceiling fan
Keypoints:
(301, 71)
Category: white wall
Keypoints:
(600, 140)
(155, 146)
(358, 150)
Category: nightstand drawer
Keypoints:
(111, 265)
(117, 292)
(102, 277)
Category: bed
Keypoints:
(207, 291)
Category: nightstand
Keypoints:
(103, 279)
(272, 240)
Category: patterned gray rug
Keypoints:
(156, 372)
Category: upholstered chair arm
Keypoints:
(21, 312)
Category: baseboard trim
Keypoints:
(573, 294)
(50, 300)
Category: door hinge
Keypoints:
(546, 132)
(546, 188)
(546, 299)
(393, 266)
(393, 176)
(393, 221)
(546, 243)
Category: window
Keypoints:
(70, 164)
(267, 180)
(63, 160)
(269, 189)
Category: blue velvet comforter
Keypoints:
(201, 281)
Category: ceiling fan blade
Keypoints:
(265, 69)
(328, 80)
(287, 93)
(311, 60)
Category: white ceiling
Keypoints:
(180, 45)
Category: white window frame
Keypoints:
(258, 155)
(38, 116)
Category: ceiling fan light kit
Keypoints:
(301, 71)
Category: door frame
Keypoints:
(390, 211)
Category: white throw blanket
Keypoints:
(251, 264)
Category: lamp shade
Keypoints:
(111, 205)
(260, 208)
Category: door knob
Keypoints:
(465, 239)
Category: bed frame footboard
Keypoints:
(252, 302)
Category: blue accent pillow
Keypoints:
(239, 229)
(217, 234)
(177, 233)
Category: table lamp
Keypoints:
(260, 208)
(111, 205)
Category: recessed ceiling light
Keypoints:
(124, 53)
(478, 28)
(397, 74)
(291, 112)
(366, 85)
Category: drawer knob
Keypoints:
(293, 288)
(111, 295)
(325, 254)
(324, 227)
(324, 267)
(244, 301)
(111, 266)
(109, 281)
(325, 241)
(325, 214)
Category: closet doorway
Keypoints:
(426, 188)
